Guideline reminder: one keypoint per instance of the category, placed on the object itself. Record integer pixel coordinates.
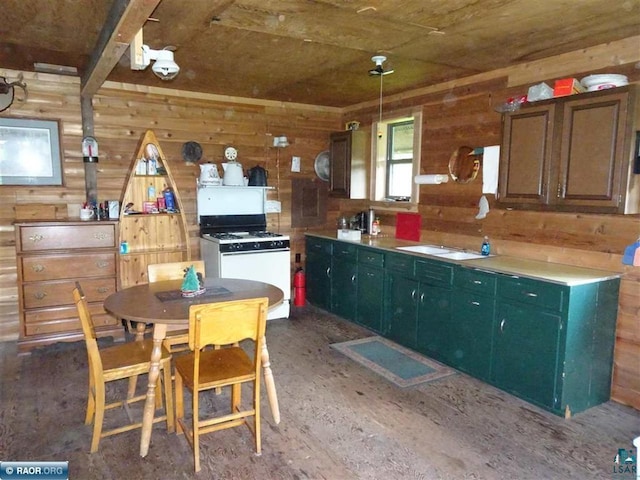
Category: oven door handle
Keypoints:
(249, 252)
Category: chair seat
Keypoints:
(217, 367)
(130, 355)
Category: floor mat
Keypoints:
(400, 365)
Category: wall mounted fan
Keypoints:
(6, 91)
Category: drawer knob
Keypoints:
(37, 268)
(39, 295)
(478, 282)
(531, 294)
(99, 235)
(102, 264)
(103, 289)
(36, 238)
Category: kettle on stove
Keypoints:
(257, 177)
(233, 174)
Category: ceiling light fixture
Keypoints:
(381, 72)
(164, 67)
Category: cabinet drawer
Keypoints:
(318, 245)
(476, 281)
(49, 294)
(541, 294)
(400, 262)
(439, 273)
(56, 237)
(67, 325)
(370, 257)
(345, 251)
(68, 266)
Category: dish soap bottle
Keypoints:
(486, 246)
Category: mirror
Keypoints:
(464, 165)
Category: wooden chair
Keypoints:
(224, 323)
(177, 338)
(117, 363)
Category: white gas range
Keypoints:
(237, 245)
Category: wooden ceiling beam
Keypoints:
(125, 19)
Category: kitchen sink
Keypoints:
(426, 249)
(461, 255)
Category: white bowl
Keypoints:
(601, 82)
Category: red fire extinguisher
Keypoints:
(299, 288)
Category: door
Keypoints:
(471, 333)
(526, 155)
(370, 297)
(525, 352)
(344, 287)
(592, 153)
(434, 337)
(402, 309)
(318, 277)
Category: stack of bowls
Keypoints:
(601, 82)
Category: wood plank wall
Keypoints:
(463, 113)
(455, 114)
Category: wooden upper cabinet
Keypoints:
(574, 153)
(347, 177)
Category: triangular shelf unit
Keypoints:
(153, 233)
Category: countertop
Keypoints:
(522, 267)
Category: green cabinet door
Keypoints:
(370, 297)
(434, 323)
(526, 342)
(344, 288)
(401, 308)
(473, 316)
(318, 274)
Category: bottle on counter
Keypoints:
(375, 229)
(485, 249)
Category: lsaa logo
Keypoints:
(625, 462)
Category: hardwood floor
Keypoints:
(339, 421)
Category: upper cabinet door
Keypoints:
(526, 155)
(340, 170)
(593, 151)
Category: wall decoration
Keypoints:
(30, 152)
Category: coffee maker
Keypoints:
(363, 221)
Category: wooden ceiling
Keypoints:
(307, 51)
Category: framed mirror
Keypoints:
(464, 165)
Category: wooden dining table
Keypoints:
(161, 304)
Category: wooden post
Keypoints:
(90, 169)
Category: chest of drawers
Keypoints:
(51, 257)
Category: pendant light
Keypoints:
(380, 72)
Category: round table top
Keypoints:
(161, 302)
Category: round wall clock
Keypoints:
(230, 153)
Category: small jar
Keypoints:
(124, 247)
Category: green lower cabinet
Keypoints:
(434, 337)
(401, 309)
(370, 298)
(318, 272)
(344, 289)
(471, 331)
(526, 344)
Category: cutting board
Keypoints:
(408, 226)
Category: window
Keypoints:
(397, 158)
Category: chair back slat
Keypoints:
(158, 272)
(225, 323)
(95, 362)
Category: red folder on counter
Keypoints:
(408, 226)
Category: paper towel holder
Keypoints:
(434, 179)
(464, 164)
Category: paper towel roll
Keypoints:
(431, 179)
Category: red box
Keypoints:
(567, 86)
(149, 207)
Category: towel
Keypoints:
(490, 163)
